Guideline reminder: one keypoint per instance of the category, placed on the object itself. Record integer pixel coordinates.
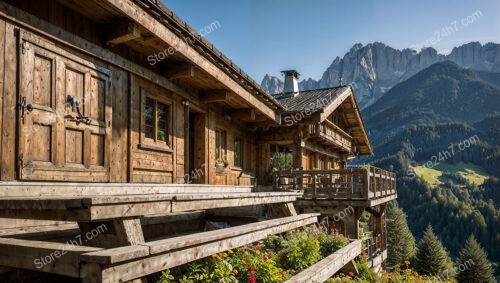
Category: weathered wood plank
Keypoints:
(178, 206)
(121, 254)
(21, 189)
(52, 257)
(327, 267)
(199, 238)
(8, 168)
(115, 255)
(142, 267)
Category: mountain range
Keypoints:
(375, 68)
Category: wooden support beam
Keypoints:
(349, 267)
(52, 257)
(122, 31)
(215, 96)
(180, 72)
(281, 210)
(129, 231)
(246, 115)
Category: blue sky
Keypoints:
(266, 36)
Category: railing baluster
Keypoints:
(313, 175)
(349, 182)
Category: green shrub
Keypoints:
(274, 260)
(301, 250)
(330, 243)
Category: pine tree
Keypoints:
(472, 265)
(431, 258)
(400, 240)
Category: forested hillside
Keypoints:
(440, 132)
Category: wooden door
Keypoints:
(65, 115)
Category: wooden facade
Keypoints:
(75, 94)
(94, 133)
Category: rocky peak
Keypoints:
(374, 68)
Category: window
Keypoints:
(156, 122)
(238, 152)
(220, 147)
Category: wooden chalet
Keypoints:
(321, 131)
(95, 134)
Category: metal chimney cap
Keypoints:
(291, 73)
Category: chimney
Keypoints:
(291, 84)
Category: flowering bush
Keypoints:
(401, 273)
(300, 250)
(330, 243)
(274, 260)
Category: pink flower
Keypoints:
(252, 278)
(250, 269)
(336, 233)
(351, 274)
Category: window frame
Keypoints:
(154, 143)
(238, 153)
(220, 147)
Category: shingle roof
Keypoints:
(311, 100)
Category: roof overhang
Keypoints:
(348, 104)
(204, 56)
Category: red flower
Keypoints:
(265, 258)
(250, 269)
(252, 278)
(257, 246)
(284, 258)
(270, 254)
(282, 274)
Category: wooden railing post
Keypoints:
(275, 180)
(351, 180)
(366, 189)
(313, 176)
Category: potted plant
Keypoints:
(221, 164)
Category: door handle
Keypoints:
(75, 104)
(25, 106)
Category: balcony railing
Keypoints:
(374, 245)
(331, 133)
(364, 183)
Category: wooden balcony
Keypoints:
(369, 185)
(329, 133)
